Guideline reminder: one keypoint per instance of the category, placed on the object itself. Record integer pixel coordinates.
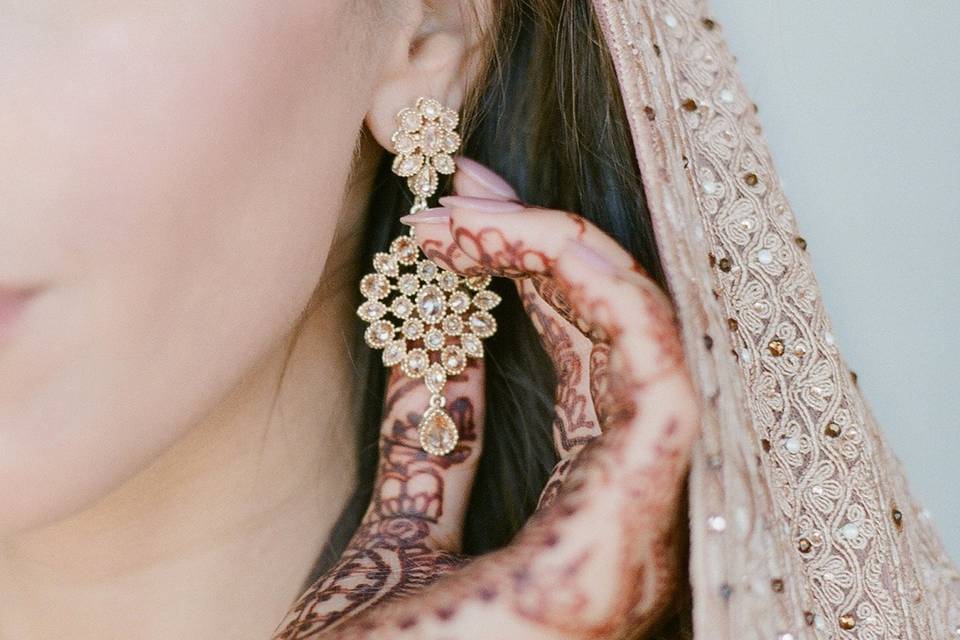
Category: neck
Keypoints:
(215, 538)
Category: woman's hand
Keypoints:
(601, 555)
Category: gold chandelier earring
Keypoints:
(429, 321)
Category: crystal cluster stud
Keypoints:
(428, 321)
(424, 141)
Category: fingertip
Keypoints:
(475, 179)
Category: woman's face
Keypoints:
(171, 176)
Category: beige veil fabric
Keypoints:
(801, 522)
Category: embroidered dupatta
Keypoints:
(802, 525)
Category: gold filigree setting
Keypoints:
(427, 320)
(424, 143)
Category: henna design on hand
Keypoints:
(602, 553)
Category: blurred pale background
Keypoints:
(860, 101)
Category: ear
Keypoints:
(435, 53)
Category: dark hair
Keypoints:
(547, 116)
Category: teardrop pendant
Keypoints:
(438, 432)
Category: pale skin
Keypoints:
(171, 458)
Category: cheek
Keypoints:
(175, 180)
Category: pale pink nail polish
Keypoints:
(486, 178)
(434, 215)
(591, 257)
(486, 205)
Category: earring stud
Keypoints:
(428, 320)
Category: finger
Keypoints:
(569, 350)
(602, 558)
(420, 499)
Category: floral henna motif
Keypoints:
(576, 424)
(499, 255)
(607, 518)
(393, 553)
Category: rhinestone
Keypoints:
(690, 104)
(828, 338)
(444, 164)
(379, 334)
(809, 618)
(717, 523)
(403, 143)
(434, 339)
(472, 345)
(406, 166)
(775, 347)
(764, 256)
(815, 537)
(745, 355)
(430, 303)
(785, 636)
(429, 107)
(710, 187)
(412, 329)
(454, 359)
(430, 140)
(427, 270)
(847, 622)
(751, 179)
(832, 429)
(374, 286)
(401, 307)
(765, 445)
(371, 310)
(449, 119)
(486, 300)
(733, 324)
(799, 350)
(801, 242)
(477, 282)
(777, 585)
(447, 280)
(435, 377)
(724, 264)
(804, 545)
(709, 24)
(438, 433)
(817, 490)
(424, 183)
(792, 445)
(726, 96)
(415, 363)
(405, 248)
(850, 531)
(482, 324)
(408, 120)
(450, 142)
(394, 352)
(452, 325)
(670, 21)
(408, 284)
(386, 264)
(458, 302)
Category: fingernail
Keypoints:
(591, 257)
(487, 205)
(434, 215)
(486, 177)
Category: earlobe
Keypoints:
(435, 60)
